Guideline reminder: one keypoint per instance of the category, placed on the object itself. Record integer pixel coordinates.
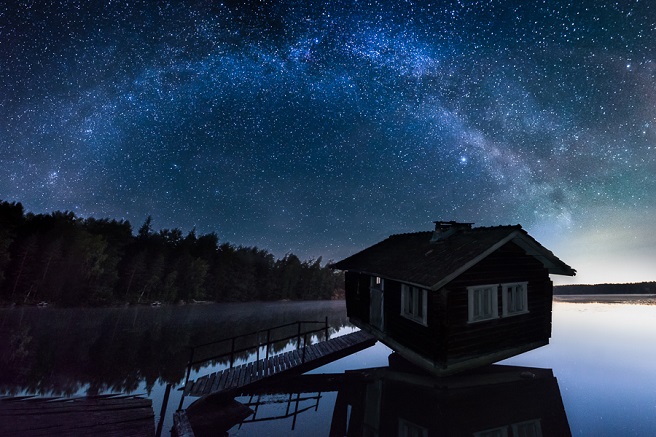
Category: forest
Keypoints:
(633, 288)
(73, 261)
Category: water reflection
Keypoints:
(57, 351)
(600, 353)
(392, 401)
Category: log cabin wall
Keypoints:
(509, 264)
(422, 339)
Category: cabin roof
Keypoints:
(419, 259)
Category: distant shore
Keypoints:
(644, 288)
(645, 299)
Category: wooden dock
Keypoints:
(104, 415)
(295, 361)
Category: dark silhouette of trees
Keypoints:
(65, 259)
(632, 288)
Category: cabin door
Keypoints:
(376, 300)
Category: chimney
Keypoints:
(444, 230)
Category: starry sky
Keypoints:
(320, 128)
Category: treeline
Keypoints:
(633, 288)
(70, 260)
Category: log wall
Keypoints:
(508, 264)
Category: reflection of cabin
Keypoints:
(496, 401)
(455, 298)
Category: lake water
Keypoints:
(596, 378)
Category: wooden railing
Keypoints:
(270, 340)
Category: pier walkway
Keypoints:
(296, 361)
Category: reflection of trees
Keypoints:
(66, 259)
(61, 351)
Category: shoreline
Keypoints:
(645, 299)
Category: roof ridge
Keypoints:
(498, 227)
(481, 228)
(409, 233)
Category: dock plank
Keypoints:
(340, 342)
(222, 381)
(296, 357)
(237, 375)
(311, 353)
(229, 375)
(203, 383)
(215, 383)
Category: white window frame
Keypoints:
(474, 296)
(414, 299)
(514, 297)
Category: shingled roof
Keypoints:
(415, 258)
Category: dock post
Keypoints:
(298, 336)
(162, 412)
(266, 360)
(298, 399)
(232, 352)
(257, 362)
(304, 347)
(191, 360)
(326, 328)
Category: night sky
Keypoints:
(323, 127)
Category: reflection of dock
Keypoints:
(295, 361)
(93, 415)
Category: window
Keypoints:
(514, 298)
(483, 302)
(414, 303)
(377, 282)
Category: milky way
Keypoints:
(322, 128)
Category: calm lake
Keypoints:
(596, 378)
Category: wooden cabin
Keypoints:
(456, 298)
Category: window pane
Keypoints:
(515, 296)
(404, 299)
(477, 303)
(415, 301)
(511, 299)
(487, 302)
